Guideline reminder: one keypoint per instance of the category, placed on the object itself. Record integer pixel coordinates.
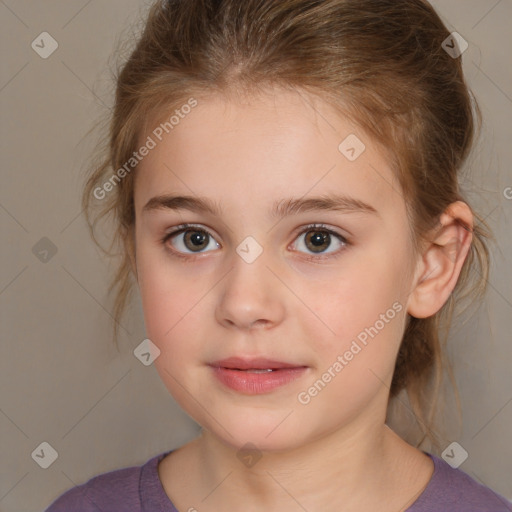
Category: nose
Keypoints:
(251, 296)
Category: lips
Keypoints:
(256, 376)
(254, 364)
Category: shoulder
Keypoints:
(107, 491)
(453, 490)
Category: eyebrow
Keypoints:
(280, 209)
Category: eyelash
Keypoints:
(319, 227)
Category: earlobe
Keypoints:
(442, 260)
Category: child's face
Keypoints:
(304, 300)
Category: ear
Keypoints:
(439, 266)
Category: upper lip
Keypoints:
(258, 363)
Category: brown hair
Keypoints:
(379, 62)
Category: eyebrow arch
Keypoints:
(280, 209)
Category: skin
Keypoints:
(334, 453)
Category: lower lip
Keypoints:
(257, 383)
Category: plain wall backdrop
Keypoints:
(62, 381)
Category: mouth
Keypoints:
(257, 375)
(254, 364)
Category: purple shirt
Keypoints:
(138, 489)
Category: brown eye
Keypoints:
(318, 239)
(195, 240)
(191, 240)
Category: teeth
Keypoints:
(259, 371)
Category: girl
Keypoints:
(284, 177)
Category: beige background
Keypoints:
(61, 380)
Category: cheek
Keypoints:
(172, 311)
(365, 294)
(170, 300)
(355, 364)
(365, 310)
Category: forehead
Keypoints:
(262, 148)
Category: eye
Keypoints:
(319, 238)
(195, 239)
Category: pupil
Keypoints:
(197, 238)
(318, 239)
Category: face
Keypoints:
(321, 289)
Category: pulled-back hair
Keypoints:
(381, 63)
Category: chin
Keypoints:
(262, 431)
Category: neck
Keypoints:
(356, 465)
